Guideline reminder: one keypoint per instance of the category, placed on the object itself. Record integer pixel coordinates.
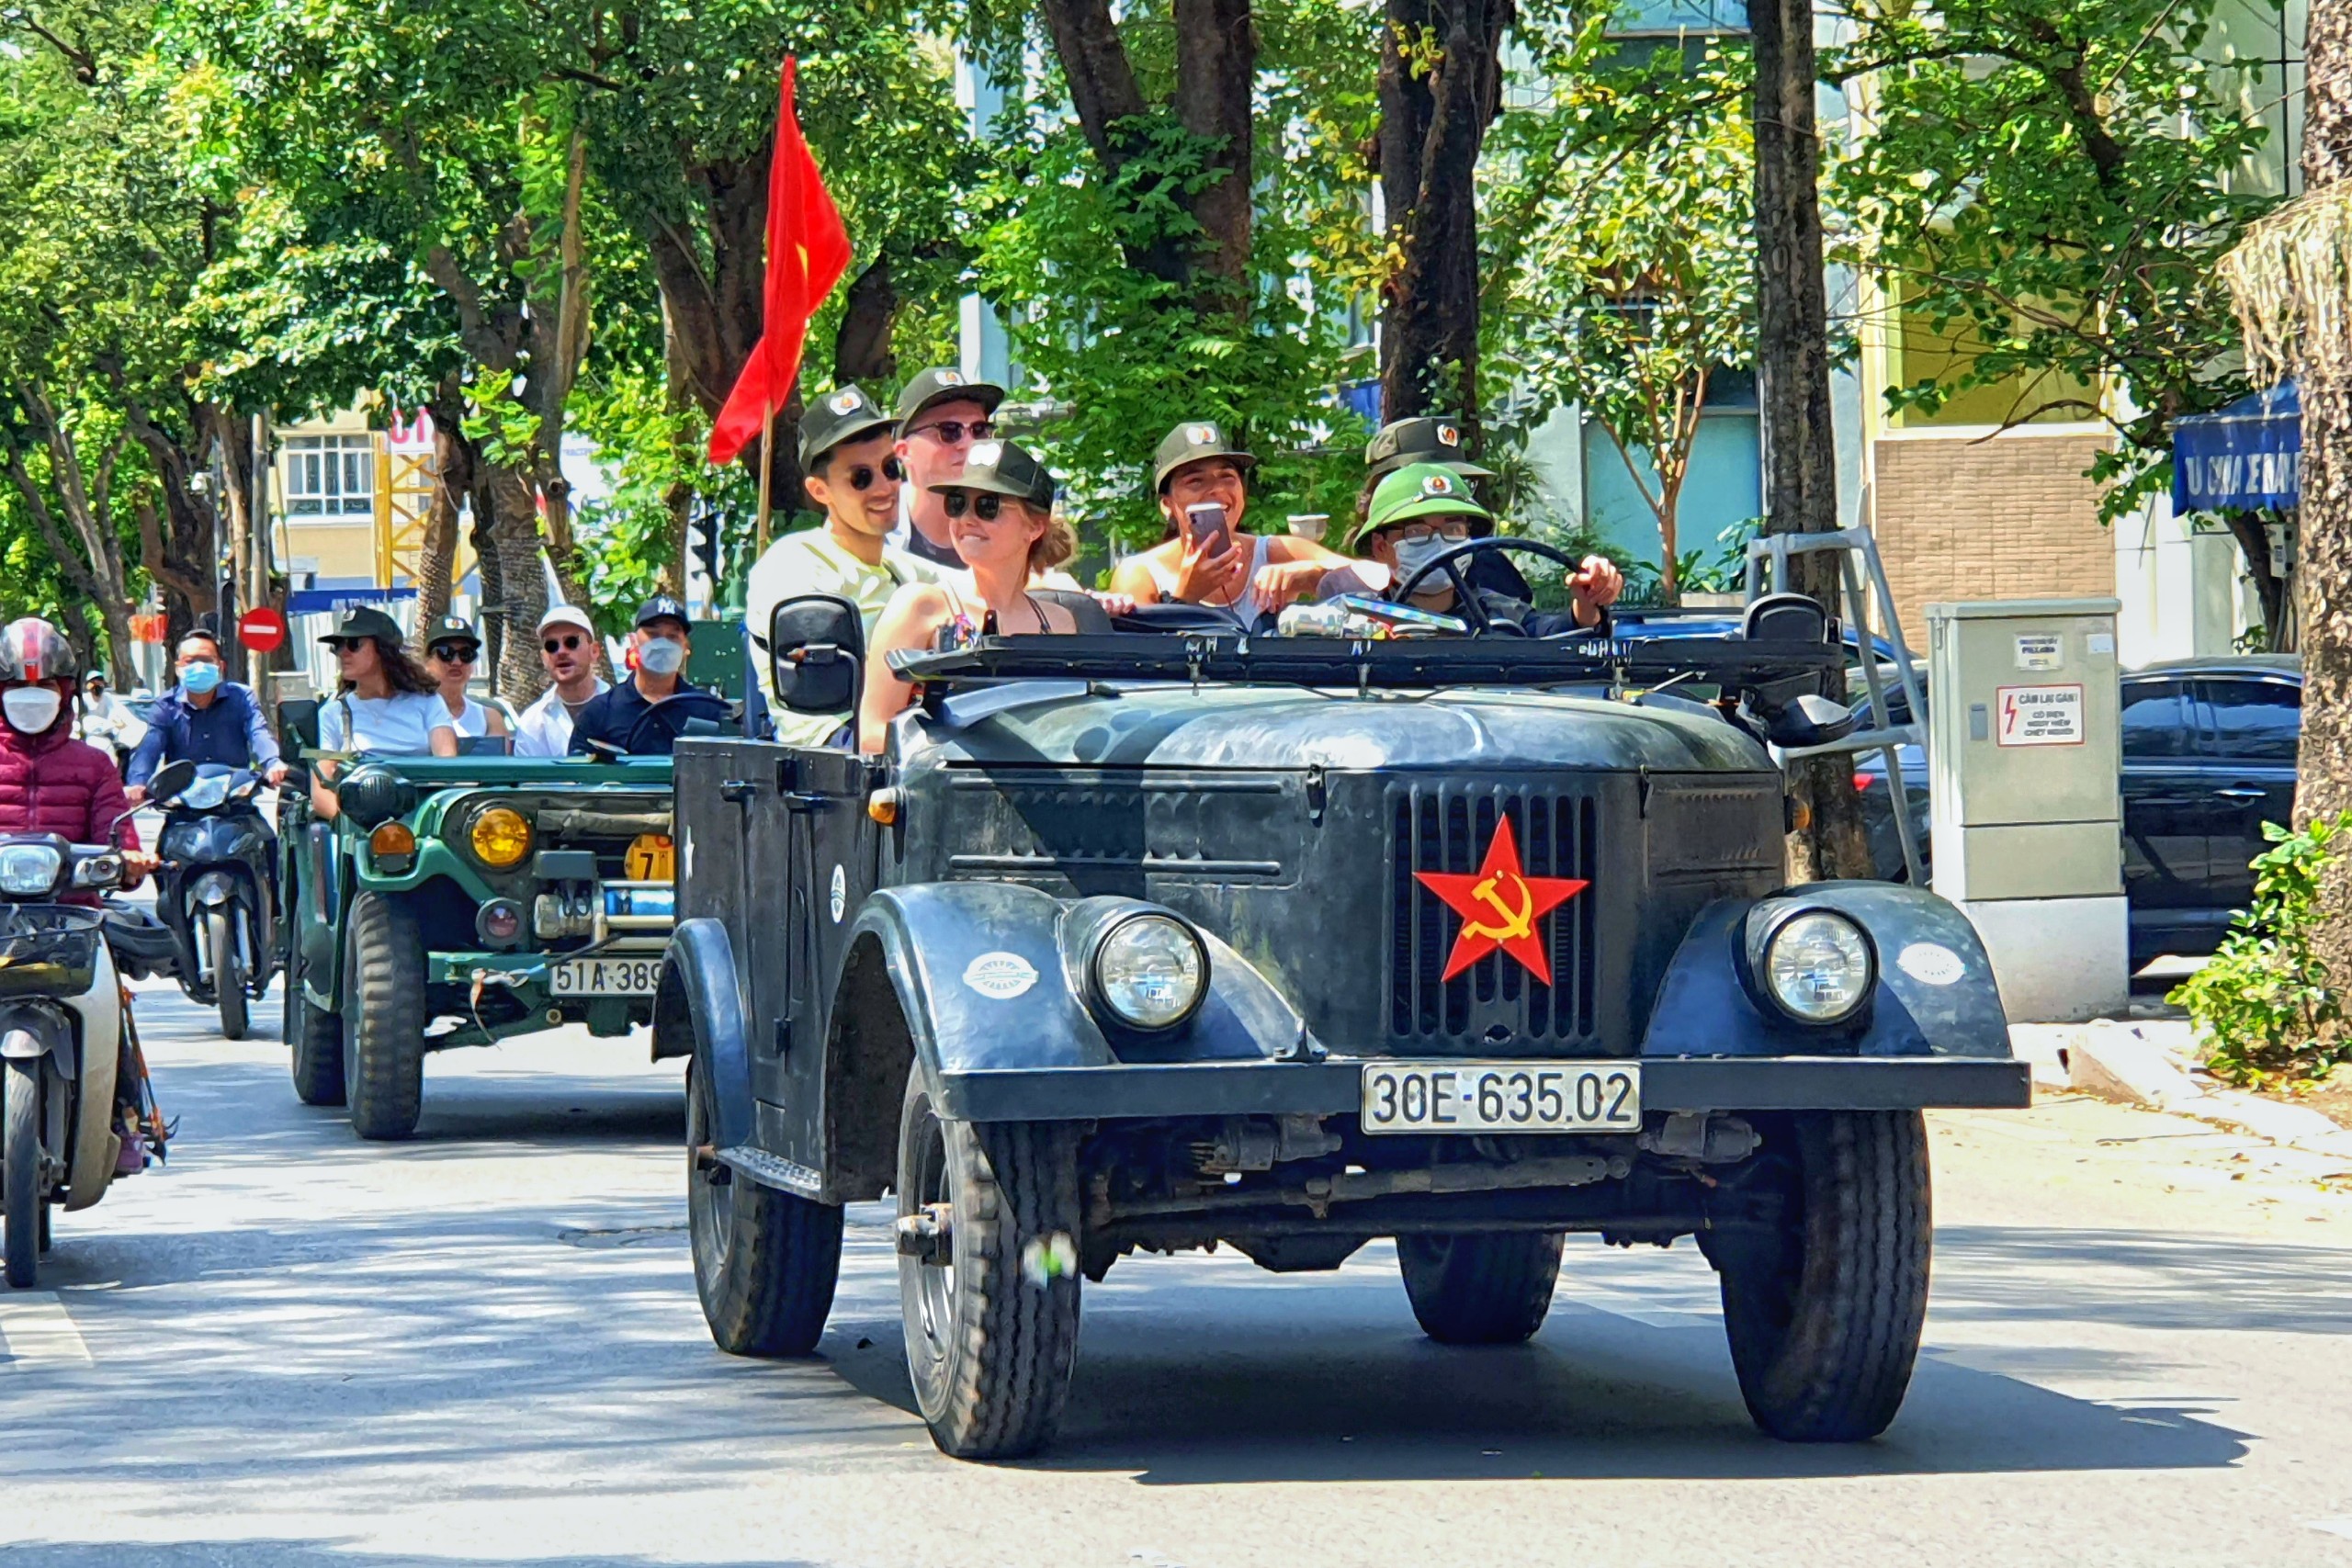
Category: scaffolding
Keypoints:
(405, 484)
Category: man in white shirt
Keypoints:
(568, 653)
(853, 472)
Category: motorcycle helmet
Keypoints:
(32, 649)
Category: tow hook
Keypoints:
(928, 1237)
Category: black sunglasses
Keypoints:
(861, 477)
(951, 431)
(984, 506)
(563, 644)
(348, 644)
(456, 652)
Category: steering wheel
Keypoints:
(1451, 559)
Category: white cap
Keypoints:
(567, 616)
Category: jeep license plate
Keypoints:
(1503, 1096)
(603, 976)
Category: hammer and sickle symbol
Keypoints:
(1517, 923)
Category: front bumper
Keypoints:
(1331, 1088)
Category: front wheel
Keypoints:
(383, 1020)
(21, 1226)
(1823, 1307)
(765, 1262)
(222, 926)
(987, 1275)
(1480, 1288)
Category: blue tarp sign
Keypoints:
(2248, 457)
(329, 601)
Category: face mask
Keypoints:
(30, 709)
(199, 679)
(661, 656)
(1414, 553)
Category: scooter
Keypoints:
(217, 889)
(65, 1042)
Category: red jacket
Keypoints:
(52, 783)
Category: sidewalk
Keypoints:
(2152, 1063)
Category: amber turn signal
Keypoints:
(392, 839)
(883, 805)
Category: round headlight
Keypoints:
(372, 796)
(1818, 966)
(1151, 971)
(28, 868)
(500, 838)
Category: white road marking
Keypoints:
(38, 1333)
(2334, 1526)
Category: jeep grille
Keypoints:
(1446, 827)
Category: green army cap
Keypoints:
(363, 620)
(1189, 443)
(1004, 468)
(451, 628)
(1418, 490)
(1407, 441)
(844, 414)
(943, 384)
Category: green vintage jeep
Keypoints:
(457, 901)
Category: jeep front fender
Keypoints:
(698, 1012)
(1935, 995)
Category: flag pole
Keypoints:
(767, 468)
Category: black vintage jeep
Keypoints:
(1138, 943)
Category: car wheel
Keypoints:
(20, 1172)
(1824, 1311)
(316, 1038)
(220, 927)
(1481, 1288)
(383, 1018)
(987, 1275)
(765, 1262)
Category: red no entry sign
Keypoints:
(262, 629)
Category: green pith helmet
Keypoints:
(1418, 490)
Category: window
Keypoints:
(2255, 720)
(329, 475)
(2155, 724)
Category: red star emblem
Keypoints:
(1501, 905)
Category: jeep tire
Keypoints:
(765, 1262)
(383, 1018)
(1480, 1288)
(1825, 1312)
(991, 1327)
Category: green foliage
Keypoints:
(2263, 1006)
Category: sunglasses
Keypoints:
(861, 477)
(952, 432)
(348, 644)
(455, 652)
(563, 644)
(984, 505)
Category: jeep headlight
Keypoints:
(500, 838)
(29, 868)
(1150, 971)
(1818, 966)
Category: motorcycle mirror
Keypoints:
(169, 779)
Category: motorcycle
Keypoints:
(217, 889)
(67, 1130)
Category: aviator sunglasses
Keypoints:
(952, 432)
(984, 506)
(861, 477)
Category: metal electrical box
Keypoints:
(2025, 805)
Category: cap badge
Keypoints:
(951, 378)
(1448, 436)
(984, 454)
(1438, 484)
(841, 403)
(1201, 435)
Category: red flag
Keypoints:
(808, 252)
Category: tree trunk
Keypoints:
(678, 496)
(2253, 539)
(862, 343)
(1431, 129)
(1217, 72)
(453, 481)
(2323, 567)
(1792, 392)
(511, 617)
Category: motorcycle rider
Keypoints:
(205, 719)
(51, 782)
(105, 723)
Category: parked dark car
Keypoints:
(2209, 757)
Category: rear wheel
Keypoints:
(987, 1275)
(222, 927)
(317, 1042)
(20, 1191)
(765, 1262)
(383, 1021)
(1480, 1288)
(1825, 1311)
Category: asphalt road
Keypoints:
(295, 1350)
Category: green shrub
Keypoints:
(2263, 1007)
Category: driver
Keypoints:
(203, 719)
(622, 721)
(51, 782)
(1424, 509)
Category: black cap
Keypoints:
(661, 606)
(844, 414)
(946, 385)
(452, 628)
(1002, 467)
(1189, 443)
(1407, 441)
(364, 620)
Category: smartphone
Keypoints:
(1205, 521)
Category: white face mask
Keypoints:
(30, 709)
(1414, 553)
(661, 656)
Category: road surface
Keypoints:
(296, 1350)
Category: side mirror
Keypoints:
(169, 779)
(1809, 720)
(816, 653)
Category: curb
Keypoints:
(2141, 1064)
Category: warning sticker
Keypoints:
(2040, 715)
(2040, 650)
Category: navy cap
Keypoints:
(662, 606)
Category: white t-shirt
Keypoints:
(475, 720)
(544, 730)
(400, 725)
